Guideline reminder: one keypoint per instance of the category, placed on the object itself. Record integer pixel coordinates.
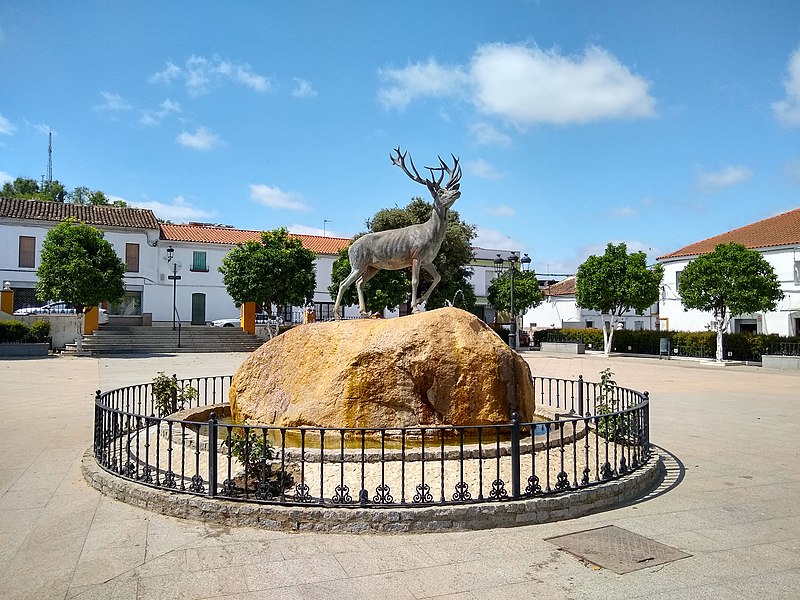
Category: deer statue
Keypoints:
(414, 246)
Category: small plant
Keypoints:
(255, 452)
(611, 427)
(168, 397)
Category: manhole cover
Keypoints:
(617, 549)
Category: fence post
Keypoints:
(515, 468)
(174, 393)
(212, 455)
(580, 395)
(98, 417)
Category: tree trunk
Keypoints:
(79, 339)
(608, 336)
(719, 342)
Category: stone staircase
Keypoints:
(116, 339)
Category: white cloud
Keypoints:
(420, 80)
(4, 177)
(502, 210)
(525, 85)
(154, 117)
(171, 71)
(718, 180)
(112, 103)
(494, 240)
(179, 211)
(787, 111)
(201, 139)
(485, 134)
(6, 126)
(482, 168)
(273, 197)
(632, 246)
(201, 74)
(624, 211)
(303, 89)
(306, 230)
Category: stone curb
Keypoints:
(485, 515)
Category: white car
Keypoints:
(57, 308)
(226, 323)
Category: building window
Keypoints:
(132, 258)
(678, 280)
(797, 271)
(638, 325)
(27, 251)
(589, 324)
(199, 261)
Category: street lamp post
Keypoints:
(174, 277)
(499, 265)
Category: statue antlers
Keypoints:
(414, 246)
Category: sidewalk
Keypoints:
(730, 499)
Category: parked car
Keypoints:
(56, 308)
(226, 322)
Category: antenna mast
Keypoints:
(50, 159)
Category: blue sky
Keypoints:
(576, 123)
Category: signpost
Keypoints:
(174, 277)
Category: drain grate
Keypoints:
(616, 549)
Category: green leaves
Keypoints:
(526, 291)
(278, 270)
(79, 266)
(617, 282)
(732, 280)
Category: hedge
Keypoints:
(17, 331)
(702, 344)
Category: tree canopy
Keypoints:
(527, 294)
(278, 270)
(54, 191)
(388, 289)
(79, 266)
(731, 280)
(615, 283)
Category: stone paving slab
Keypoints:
(730, 499)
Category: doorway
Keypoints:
(198, 309)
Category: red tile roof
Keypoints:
(565, 287)
(108, 216)
(781, 230)
(210, 234)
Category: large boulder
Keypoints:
(439, 367)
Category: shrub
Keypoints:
(168, 397)
(17, 331)
(40, 331)
(255, 452)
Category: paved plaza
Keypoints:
(731, 499)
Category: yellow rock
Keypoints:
(440, 367)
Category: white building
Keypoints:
(559, 310)
(197, 252)
(778, 240)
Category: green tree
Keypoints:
(616, 282)
(23, 187)
(527, 294)
(277, 270)
(388, 289)
(79, 266)
(731, 280)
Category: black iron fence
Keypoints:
(785, 348)
(597, 433)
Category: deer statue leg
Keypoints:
(355, 273)
(369, 273)
(436, 279)
(415, 264)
